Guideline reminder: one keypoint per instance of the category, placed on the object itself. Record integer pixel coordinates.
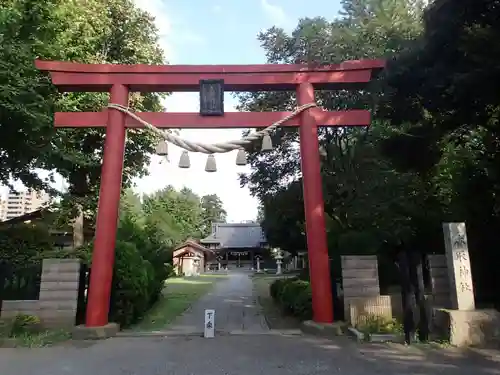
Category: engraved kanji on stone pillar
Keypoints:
(459, 270)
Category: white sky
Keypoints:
(238, 202)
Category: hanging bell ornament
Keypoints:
(241, 157)
(211, 166)
(162, 148)
(184, 161)
(267, 143)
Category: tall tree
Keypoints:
(89, 31)
(442, 92)
(360, 186)
(177, 214)
(212, 212)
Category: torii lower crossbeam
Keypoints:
(230, 120)
(120, 80)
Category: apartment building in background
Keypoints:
(18, 203)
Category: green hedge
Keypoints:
(293, 296)
(140, 270)
(142, 263)
(24, 243)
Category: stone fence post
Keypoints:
(57, 303)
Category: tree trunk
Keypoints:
(417, 279)
(406, 296)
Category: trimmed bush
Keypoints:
(302, 306)
(169, 270)
(133, 285)
(139, 274)
(293, 296)
(276, 288)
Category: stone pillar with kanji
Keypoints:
(459, 270)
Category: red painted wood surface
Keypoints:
(103, 255)
(236, 82)
(170, 78)
(319, 264)
(229, 120)
(64, 66)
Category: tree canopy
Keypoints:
(212, 212)
(432, 152)
(175, 215)
(89, 31)
(354, 175)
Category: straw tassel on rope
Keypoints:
(211, 166)
(184, 161)
(162, 148)
(267, 143)
(241, 157)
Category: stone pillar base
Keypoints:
(326, 330)
(82, 332)
(467, 328)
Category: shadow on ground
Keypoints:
(416, 359)
(245, 355)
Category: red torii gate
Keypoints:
(119, 80)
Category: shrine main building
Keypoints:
(236, 244)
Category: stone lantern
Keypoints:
(257, 260)
(279, 261)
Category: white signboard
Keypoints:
(209, 331)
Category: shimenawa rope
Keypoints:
(214, 147)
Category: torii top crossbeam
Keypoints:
(70, 77)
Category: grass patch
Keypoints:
(178, 295)
(372, 324)
(38, 340)
(273, 314)
(27, 331)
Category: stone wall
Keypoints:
(362, 307)
(360, 276)
(56, 306)
(461, 326)
(440, 285)
(362, 289)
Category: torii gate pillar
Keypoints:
(319, 264)
(103, 256)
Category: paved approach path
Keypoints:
(244, 347)
(241, 355)
(236, 308)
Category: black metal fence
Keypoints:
(19, 282)
(83, 287)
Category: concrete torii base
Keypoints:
(326, 330)
(82, 332)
